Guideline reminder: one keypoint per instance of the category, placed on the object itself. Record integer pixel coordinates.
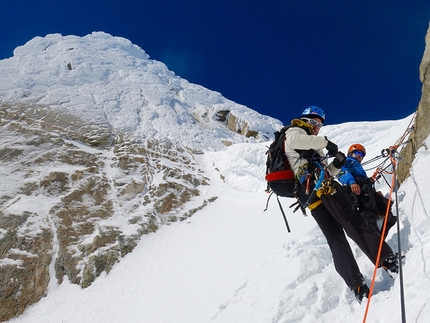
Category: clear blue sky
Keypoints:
(358, 60)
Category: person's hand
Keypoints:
(331, 148)
(339, 160)
(355, 188)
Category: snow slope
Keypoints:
(232, 262)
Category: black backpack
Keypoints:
(279, 175)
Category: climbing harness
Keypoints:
(309, 204)
(322, 186)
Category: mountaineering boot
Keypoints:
(391, 264)
(360, 292)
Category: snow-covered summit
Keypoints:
(109, 79)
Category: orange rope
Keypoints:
(392, 149)
(381, 241)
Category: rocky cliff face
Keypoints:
(422, 122)
(82, 178)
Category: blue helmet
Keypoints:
(312, 112)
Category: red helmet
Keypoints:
(356, 147)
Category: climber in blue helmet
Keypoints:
(331, 208)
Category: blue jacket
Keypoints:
(352, 169)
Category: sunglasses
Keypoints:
(359, 153)
(313, 122)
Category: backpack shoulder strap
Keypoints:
(285, 128)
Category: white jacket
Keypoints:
(297, 138)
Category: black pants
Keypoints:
(356, 224)
(337, 215)
(343, 258)
(381, 203)
(372, 203)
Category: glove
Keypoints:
(331, 148)
(341, 157)
(339, 160)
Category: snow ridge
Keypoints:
(107, 79)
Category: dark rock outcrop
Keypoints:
(422, 122)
